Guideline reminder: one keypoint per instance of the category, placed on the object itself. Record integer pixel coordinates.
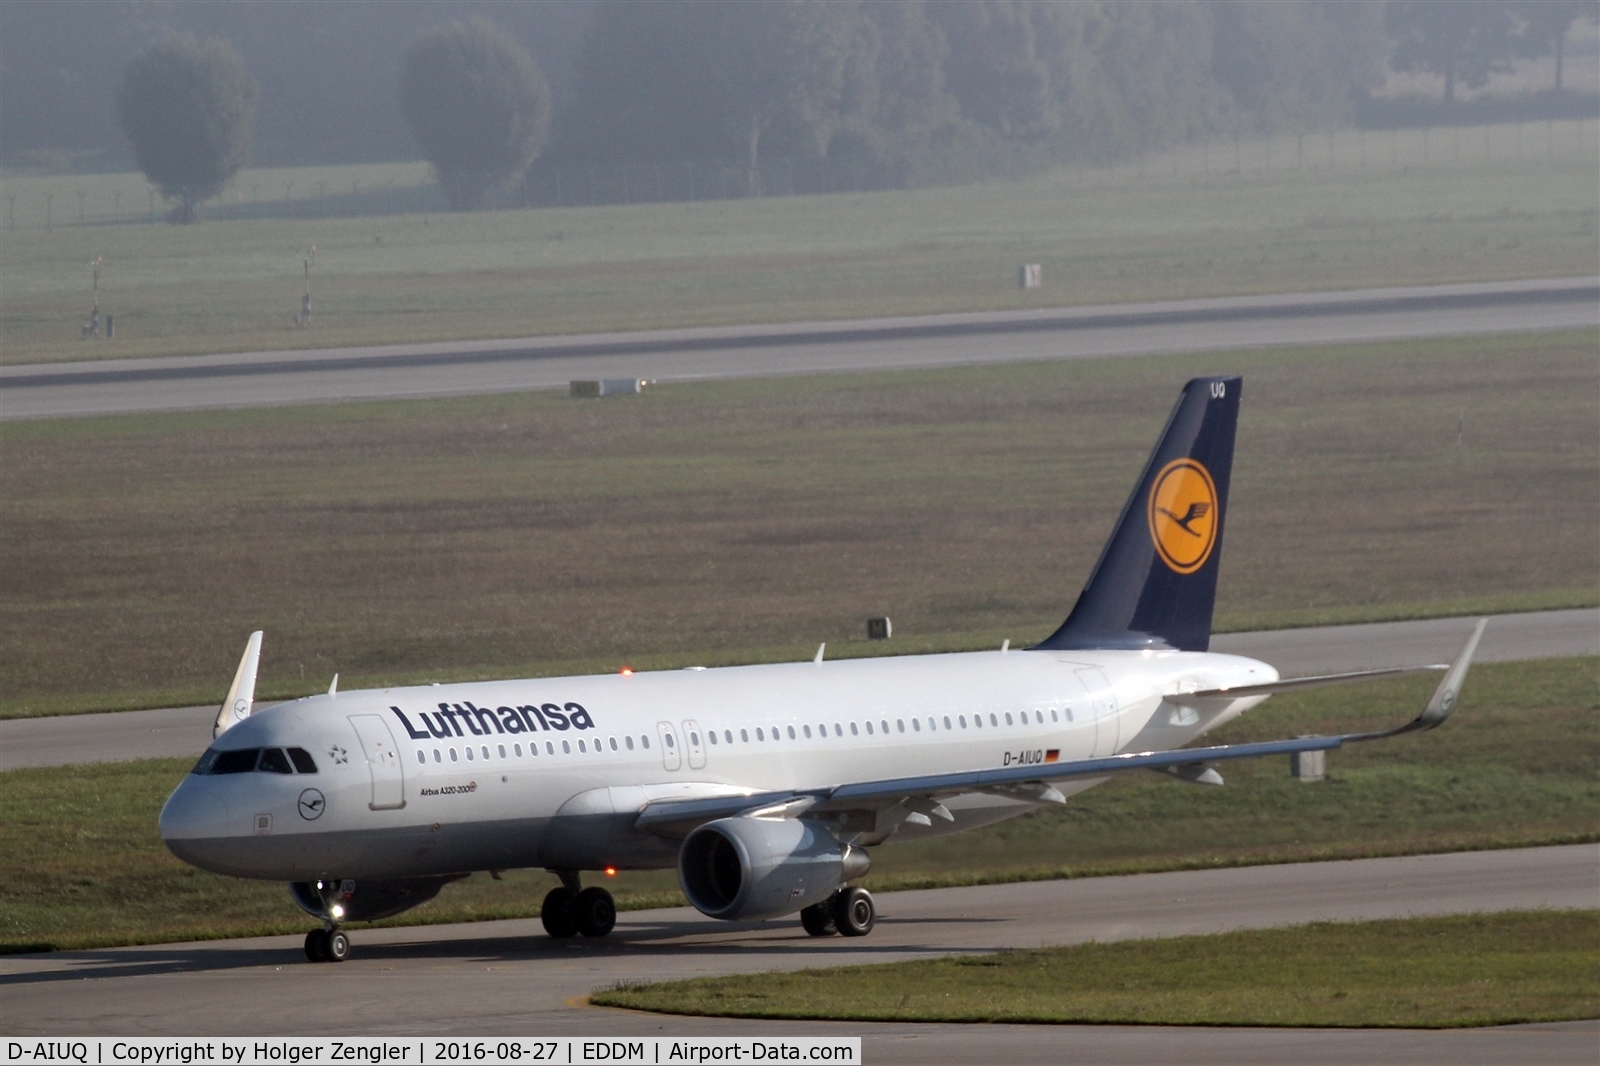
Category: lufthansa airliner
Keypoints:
(766, 787)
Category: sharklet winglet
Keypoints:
(241, 697)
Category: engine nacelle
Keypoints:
(751, 868)
(346, 901)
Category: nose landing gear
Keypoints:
(573, 909)
(327, 945)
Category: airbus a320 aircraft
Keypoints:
(765, 786)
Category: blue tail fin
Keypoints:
(1156, 581)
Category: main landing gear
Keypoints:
(848, 912)
(573, 909)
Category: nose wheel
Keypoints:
(327, 945)
(572, 910)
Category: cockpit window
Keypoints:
(267, 760)
(273, 761)
(236, 762)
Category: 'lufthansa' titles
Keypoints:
(467, 719)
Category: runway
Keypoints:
(506, 978)
(186, 731)
(265, 378)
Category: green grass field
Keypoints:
(532, 534)
(234, 285)
(1515, 766)
(1425, 973)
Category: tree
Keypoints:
(1463, 40)
(781, 60)
(1544, 28)
(477, 105)
(186, 106)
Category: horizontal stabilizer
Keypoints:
(1296, 684)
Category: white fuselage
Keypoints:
(553, 772)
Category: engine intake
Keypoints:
(752, 868)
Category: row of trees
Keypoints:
(914, 91)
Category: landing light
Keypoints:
(611, 871)
(627, 671)
(336, 910)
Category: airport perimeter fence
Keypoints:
(369, 190)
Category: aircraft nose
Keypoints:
(195, 813)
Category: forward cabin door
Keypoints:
(671, 757)
(1103, 706)
(383, 761)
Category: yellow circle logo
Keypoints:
(1183, 515)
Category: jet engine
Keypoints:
(346, 901)
(752, 868)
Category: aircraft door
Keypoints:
(383, 762)
(696, 745)
(671, 757)
(1103, 706)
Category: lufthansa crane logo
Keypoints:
(1183, 515)
(312, 804)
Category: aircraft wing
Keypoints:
(927, 789)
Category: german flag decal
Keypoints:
(1052, 755)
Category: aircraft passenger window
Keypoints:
(645, 740)
(963, 720)
(791, 732)
(947, 721)
(694, 740)
(885, 724)
(436, 755)
(853, 731)
(667, 740)
(613, 743)
(236, 762)
(486, 751)
(916, 724)
(421, 758)
(869, 729)
(838, 730)
(469, 753)
(629, 742)
(502, 751)
(452, 755)
(566, 747)
(1068, 713)
(302, 760)
(727, 735)
(744, 735)
(1008, 718)
(822, 730)
(759, 734)
(994, 721)
(549, 747)
(1053, 717)
(581, 747)
(517, 748)
(807, 732)
(1038, 717)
